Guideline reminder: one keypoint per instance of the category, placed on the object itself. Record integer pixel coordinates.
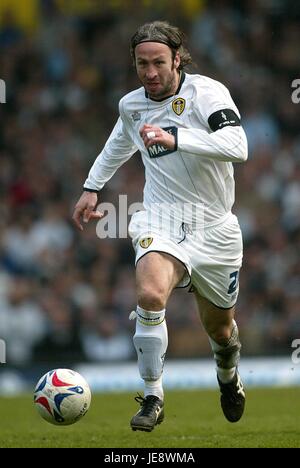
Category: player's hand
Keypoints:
(84, 209)
(152, 135)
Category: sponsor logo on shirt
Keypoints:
(156, 150)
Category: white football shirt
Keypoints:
(199, 170)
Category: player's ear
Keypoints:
(177, 60)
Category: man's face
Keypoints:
(156, 69)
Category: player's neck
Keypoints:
(177, 82)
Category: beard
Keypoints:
(165, 89)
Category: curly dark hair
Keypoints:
(164, 33)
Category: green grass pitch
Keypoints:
(193, 419)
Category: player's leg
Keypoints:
(224, 339)
(156, 275)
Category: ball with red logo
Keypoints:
(62, 396)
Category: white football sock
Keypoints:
(226, 375)
(154, 388)
(151, 342)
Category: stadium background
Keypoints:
(65, 297)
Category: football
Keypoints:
(62, 397)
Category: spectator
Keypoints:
(22, 321)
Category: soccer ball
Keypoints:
(62, 397)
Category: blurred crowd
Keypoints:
(66, 296)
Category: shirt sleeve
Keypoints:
(223, 138)
(117, 150)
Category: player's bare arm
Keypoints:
(152, 135)
(84, 209)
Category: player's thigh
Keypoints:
(215, 268)
(216, 321)
(159, 273)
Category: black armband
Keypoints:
(223, 118)
(90, 190)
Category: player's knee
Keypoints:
(150, 298)
(221, 335)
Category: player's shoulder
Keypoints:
(133, 99)
(205, 84)
(210, 95)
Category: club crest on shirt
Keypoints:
(144, 243)
(178, 105)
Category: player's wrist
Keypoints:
(86, 189)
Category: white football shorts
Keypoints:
(212, 256)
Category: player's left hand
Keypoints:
(157, 135)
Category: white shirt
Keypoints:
(199, 170)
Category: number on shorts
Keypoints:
(234, 283)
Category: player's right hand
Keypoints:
(84, 209)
